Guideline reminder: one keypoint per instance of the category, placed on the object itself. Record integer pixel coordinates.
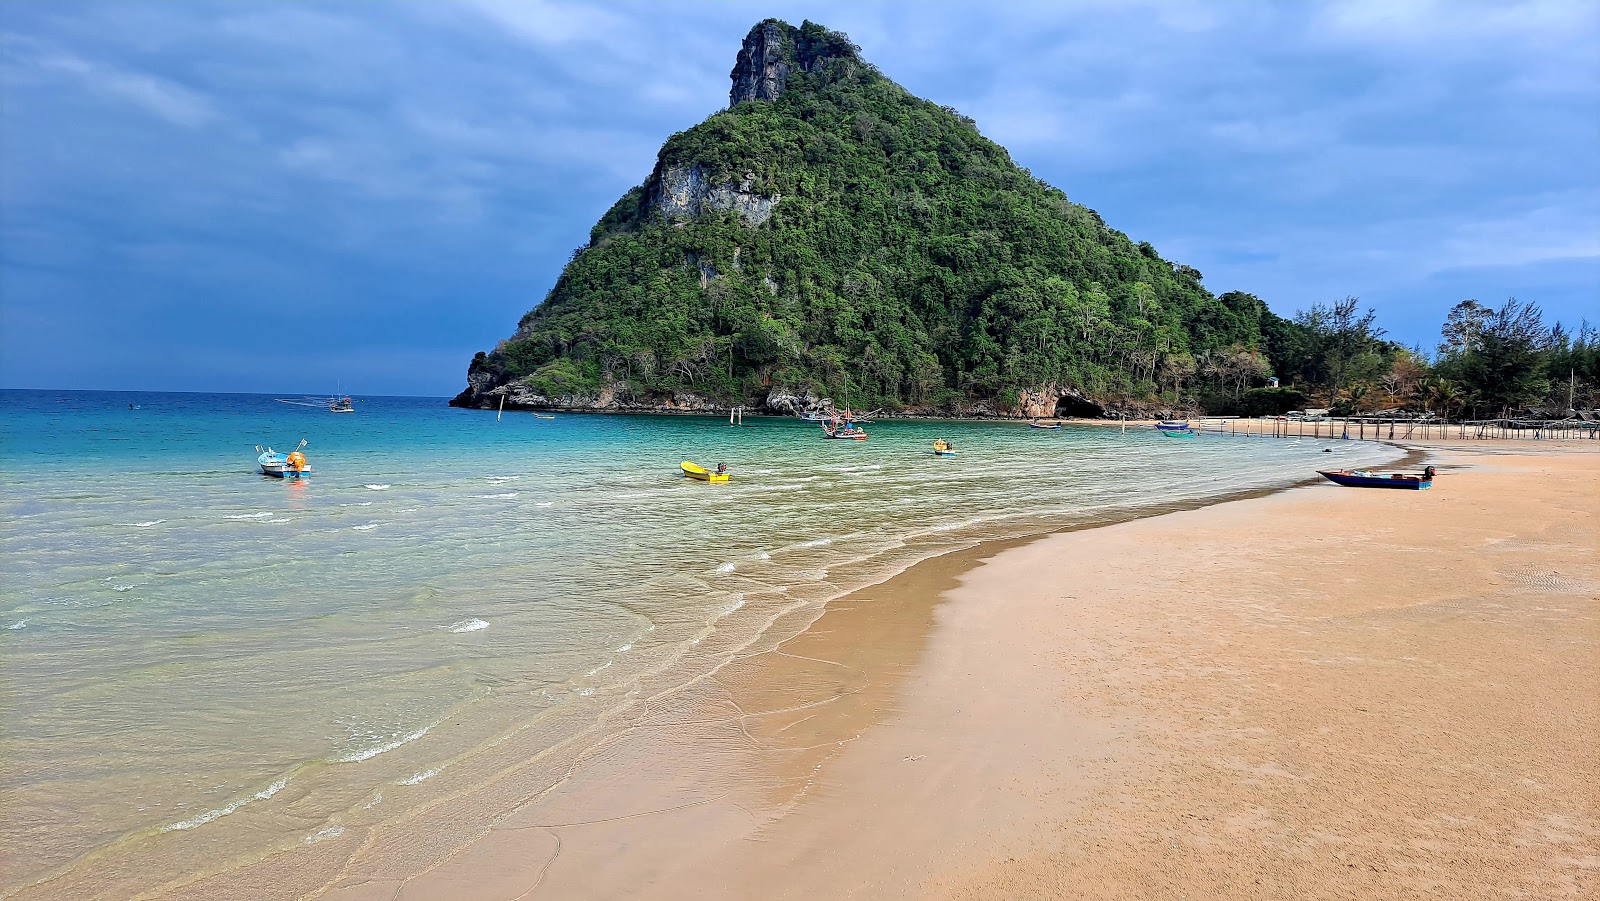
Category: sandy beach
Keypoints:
(1322, 693)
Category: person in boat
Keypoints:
(722, 468)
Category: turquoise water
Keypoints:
(200, 663)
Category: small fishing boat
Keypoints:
(700, 473)
(341, 405)
(1172, 425)
(847, 432)
(292, 465)
(1047, 428)
(1362, 478)
(815, 417)
(542, 416)
(943, 448)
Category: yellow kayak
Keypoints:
(695, 471)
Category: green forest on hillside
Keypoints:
(909, 263)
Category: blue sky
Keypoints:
(289, 197)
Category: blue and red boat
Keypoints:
(1361, 478)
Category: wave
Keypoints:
(378, 487)
(366, 528)
(816, 542)
(726, 568)
(507, 495)
(144, 525)
(622, 650)
(597, 670)
(386, 747)
(468, 625)
(330, 832)
(251, 516)
(545, 504)
(221, 812)
(362, 504)
(415, 778)
(19, 624)
(122, 588)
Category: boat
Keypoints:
(1045, 428)
(1173, 425)
(341, 405)
(292, 465)
(816, 417)
(1363, 478)
(1178, 433)
(700, 473)
(543, 416)
(943, 448)
(846, 432)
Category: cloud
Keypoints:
(158, 96)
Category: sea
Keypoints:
(201, 666)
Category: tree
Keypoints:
(1344, 340)
(1505, 369)
(1462, 327)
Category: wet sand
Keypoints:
(1322, 693)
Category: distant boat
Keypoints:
(1361, 478)
(292, 465)
(1046, 428)
(332, 403)
(542, 416)
(1169, 425)
(846, 433)
(700, 473)
(943, 448)
(815, 417)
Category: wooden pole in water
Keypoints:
(502, 408)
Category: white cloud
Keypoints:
(158, 96)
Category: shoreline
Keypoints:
(878, 685)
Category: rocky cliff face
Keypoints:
(774, 50)
(683, 192)
(762, 68)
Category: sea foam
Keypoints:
(378, 487)
(221, 812)
(384, 748)
(468, 625)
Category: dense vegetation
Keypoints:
(909, 263)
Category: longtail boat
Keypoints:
(1362, 478)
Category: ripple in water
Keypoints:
(221, 812)
(468, 625)
(384, 748)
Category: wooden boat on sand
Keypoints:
(1362, 478)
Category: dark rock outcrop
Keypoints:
(774, 50)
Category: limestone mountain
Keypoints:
(829, 235)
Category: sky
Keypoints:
(310, 197)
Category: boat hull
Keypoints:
(1177, 433)
(944, 453)
(1354, 480)
(277, 466)
(701, 474)
(1045, 428)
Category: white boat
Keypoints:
(292, 465)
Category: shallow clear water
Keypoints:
(193, 653)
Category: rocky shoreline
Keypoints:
(1046, 402)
